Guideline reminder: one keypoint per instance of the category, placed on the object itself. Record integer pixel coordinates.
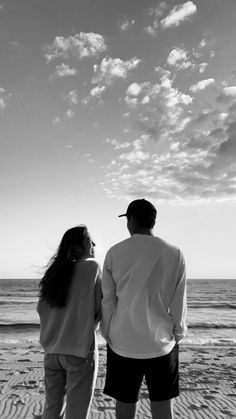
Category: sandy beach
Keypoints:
(207, 384)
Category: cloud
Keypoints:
(118, 145)
(179, 14)
(178, 58)
(112, 69)
(95, 94)
(64, 70)
(158, 108)
(135, 89)
(182, 152)
(202, 67)
(227, 94)
(4, 96)
(16, 45)
(201, 85)
(70, 113)
(80, 46)
(97, 91)
(125, 23)
(2, 103)
(230, 91)
(56, 120)
(156, 13)
(72, 97)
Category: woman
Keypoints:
(69, 311)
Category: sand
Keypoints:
(207, 384)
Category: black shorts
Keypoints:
(124, 376)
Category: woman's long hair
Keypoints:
(55, 284)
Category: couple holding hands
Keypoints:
(139, 300)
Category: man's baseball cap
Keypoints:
(140, 207)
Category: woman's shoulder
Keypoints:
(89, 264)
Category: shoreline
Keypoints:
(207, 384)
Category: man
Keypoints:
(143, 315)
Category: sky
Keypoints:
(106, 101)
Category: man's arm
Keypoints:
(178, 305)
(98, 298)
(109, 298)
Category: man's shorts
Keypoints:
(124, 376)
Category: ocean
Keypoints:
(211, 312)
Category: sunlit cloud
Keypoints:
(125, 23)
(80, 46)
(179, 14)
(112, 69)
(201, 85)
(64, 70)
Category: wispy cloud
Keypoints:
(64, 70)
(112, 69)
(179, 14)
(80, 46)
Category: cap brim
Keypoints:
(122, 215)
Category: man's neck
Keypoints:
(144, 231)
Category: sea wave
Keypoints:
(208, 304)
(210, 341)
(213, 325)
(20, 325)
(17, 302)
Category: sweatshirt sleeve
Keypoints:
(109, 298)
(178, 305)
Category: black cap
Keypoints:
(140, 207)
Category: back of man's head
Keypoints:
(143, 213)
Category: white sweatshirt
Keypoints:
(144, 297)
(70, 330)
